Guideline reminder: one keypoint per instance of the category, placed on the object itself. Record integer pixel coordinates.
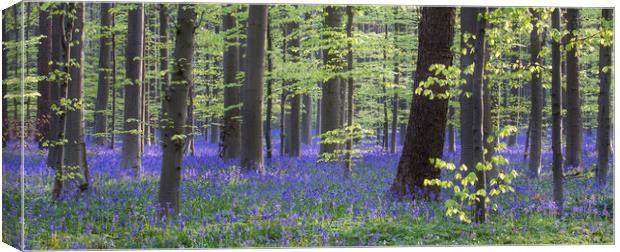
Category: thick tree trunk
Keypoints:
(330, 112)
(174, 106)
(60, 56)
(468, 26)
(252, 111)
(603, 142)
(556, 111)
(231, 132)
(574, 137)
(536, 100)
(75, 148)
(427, 118)
(131, 158)
(105, 62)
(44, 56)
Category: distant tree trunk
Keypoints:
(190, 123)
(468, 26)
(556, 110)
(252, 110)
(603, 142)
(386, 121)
(269, 116)
(574, 137)
(427, 118)
(75, 148)
(231, 133)
(44, 56)
(105, 62)
(174, 105)
(478, 107)
(349, 145)
(535, 128)
(295, 101)
(163, 51)
(330, 112)
(133, 114)
(451, 131)
(5, 118)
(306, 120)
(395, 99)
(113, 86)
(514, 92)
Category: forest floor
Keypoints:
(298, 203)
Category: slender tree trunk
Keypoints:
(231, 133)
(43, 69)
(451, 131)
(113, 86)
(295, 101)
(478, 107)
(131, 158)
(174, 106)
(574, 135)
(306, 120)
(427, 118)
(75, 148)
(163, 52)
(269, 95)
(105, 55)
(349, 145)
(330, 112)
(252, 127)
(536, 100)
(386, 121)
(604, 99)
(468, 26)
(556, 110)
(5, 118)
(395, 102)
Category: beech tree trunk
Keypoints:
(105, 65)
(269, 116)
(75, 148)
(330, 112)
(603, 142)
(252, 110)
(556, 111)
(348, 169)
(295, 100)
(131, 158)
(306, 120)
(427, 118)
(468, 26)
(574, 134)
(478, 107)
(535, 128)
(174, 107)
(5, 118)
(44, 56)
(231, 132)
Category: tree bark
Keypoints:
(603, 141)
(427, 118)
(478, 107)
(174, 106)
(306, 120)
(536, 99)
(295, 101)
(349, 145)
(574, 134)
(269, 116)
(5, 118)
(231, 133)
(44, 56)
(75, 148)
(468, 26)
(556, 111)
(131, 158)
(330, 112)
(105, 65)
(252, 110)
